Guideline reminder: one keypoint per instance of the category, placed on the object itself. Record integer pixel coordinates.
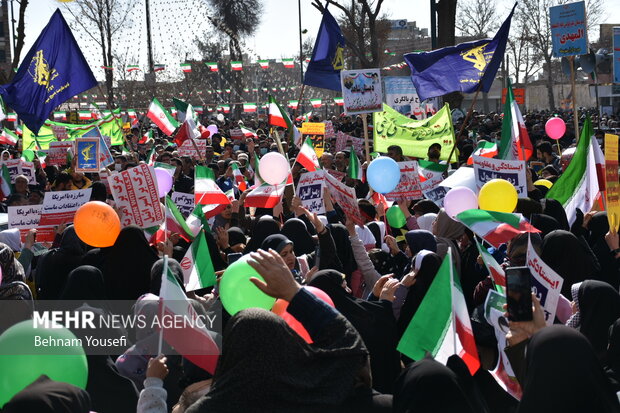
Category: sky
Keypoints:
(175, 21)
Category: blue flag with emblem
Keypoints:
(53, 71)
(327, 56)
(463, 67)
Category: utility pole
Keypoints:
(149, 46)
(433, 24)
(301, 54)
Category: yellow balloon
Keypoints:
(544, 182)
(498, 195)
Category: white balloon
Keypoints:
(273, 168)
(220, 117)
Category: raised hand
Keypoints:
(279, 281)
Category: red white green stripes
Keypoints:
(236, 65)
(486, 149)
(496, 228)
(307, 156)
(264, 64)
(160, 116)
(288, 63)
(316, 103)
(212, 66)
(515, 141)
(198, 271)
(186, 67)
(206, 191)
(249, 107)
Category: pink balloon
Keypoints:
(459, 199)
(555, 128)
(273, 168)
(213, 129)
(164, 182)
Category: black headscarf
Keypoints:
(99, 192)
(598, 228)
(373, 320)
(340, 235)
(47, 396)
(613, 355)
(599, 308)
(554, 209)
(56, 264)
(214, 252)
(265, 227)
(264, 360)
(277, 242)
(428, 386)
(424, 278)
(236, 236)
(126, 266)
(295, 230)
(157, 272)
(376, 232)
(419, 239)
(562, 374)
(85, 283)
(572, 267)
(544, 223)
(528, 206)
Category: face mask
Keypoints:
(236, 148)
(263, 151)
(118, 167)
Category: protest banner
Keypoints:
(612, 192)
(486, 169)
(310, 191)
(336, 174)
(18, 167)
(329, 129)
(344, 142)
(59, 206)
(409, 185)
(345, 197)
(105, 157)
(183, 201)
(519, 94)
(187, 148)
(361, 91)
(503, 372)
(431, 175)
(87, 154)
(569, 33)
(316, 132)
(60, 132)
(413, 136)
(546, 283)
(136, 197)
(57, 153)
(463, 176)
(401, 95)
(26, 218)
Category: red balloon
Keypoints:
(281, 305)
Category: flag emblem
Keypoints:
(338, 61)
(477, 57)
(40, 71)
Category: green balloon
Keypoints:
(22, 361)
(395, 217)
(28, 155)
(238, 292)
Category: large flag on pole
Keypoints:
(327, 55)
(160, 116)
(578, 186)
(463, 67)
(279, 117)
(515, 141)
(53, 71)
(188, 338)
(206, 191)
(441, 325)
(307, 156)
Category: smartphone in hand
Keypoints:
(519, 293)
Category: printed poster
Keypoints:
(18, 167)
(59, 206)
(345, 197)
(409, 185)
(136, 197)
(57, 153)
(546, 283)
(612, 193)
(486, 169)
(188, 149)
(316, 132)
(569, 33)
(310, 191)
(361, 91)
(401, 95)
(27, 217)
(87, 154)
(183, 201)
(344, 142)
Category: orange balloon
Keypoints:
(97, 224)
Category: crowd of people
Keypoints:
(376, 276)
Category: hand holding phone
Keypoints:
(519, 293)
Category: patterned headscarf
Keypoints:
(12, 270)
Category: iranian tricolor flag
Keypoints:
(160, 116)
(515, 141)
(175, 222)
(264, 64)
(225, 108)
(147, 135)
(132, 68)
(249, 107)
(159, 67)
(497, 272)
(198, 271)
(339, 101)
(288, 63)
(279, 117)
(151, 156)
(316, 103)
(486, 149)
(60, 116)
(354, 171)
(307, 156)
(186, 67)
(293, 104)
(197, 220)
(8, 138)
(265, 196)
(206, 191)
(212, 66)
(496, 228)
(236, 65)
(441, 324)
(239, 178)
(131, 113)
(11, 117)
(5, 182)
(578, 186)
(85, 114)
(187, 338)
(430, 170)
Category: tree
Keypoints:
(364, 30)
(102, 21)
(477, 18)
(521, 55)
(19, 40)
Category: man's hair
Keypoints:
(62, 178)
(396, 149)
(15, 198)
(545, 147)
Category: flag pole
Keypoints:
(161, 302)
(301, 94)
(281, 150)
(452, 298)
(366, 144)
(469, 112)
(574, 98)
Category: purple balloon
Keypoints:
(164, 182)
(213, 129)
(459, 199)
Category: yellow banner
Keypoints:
(612, 187)
(316, 132)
